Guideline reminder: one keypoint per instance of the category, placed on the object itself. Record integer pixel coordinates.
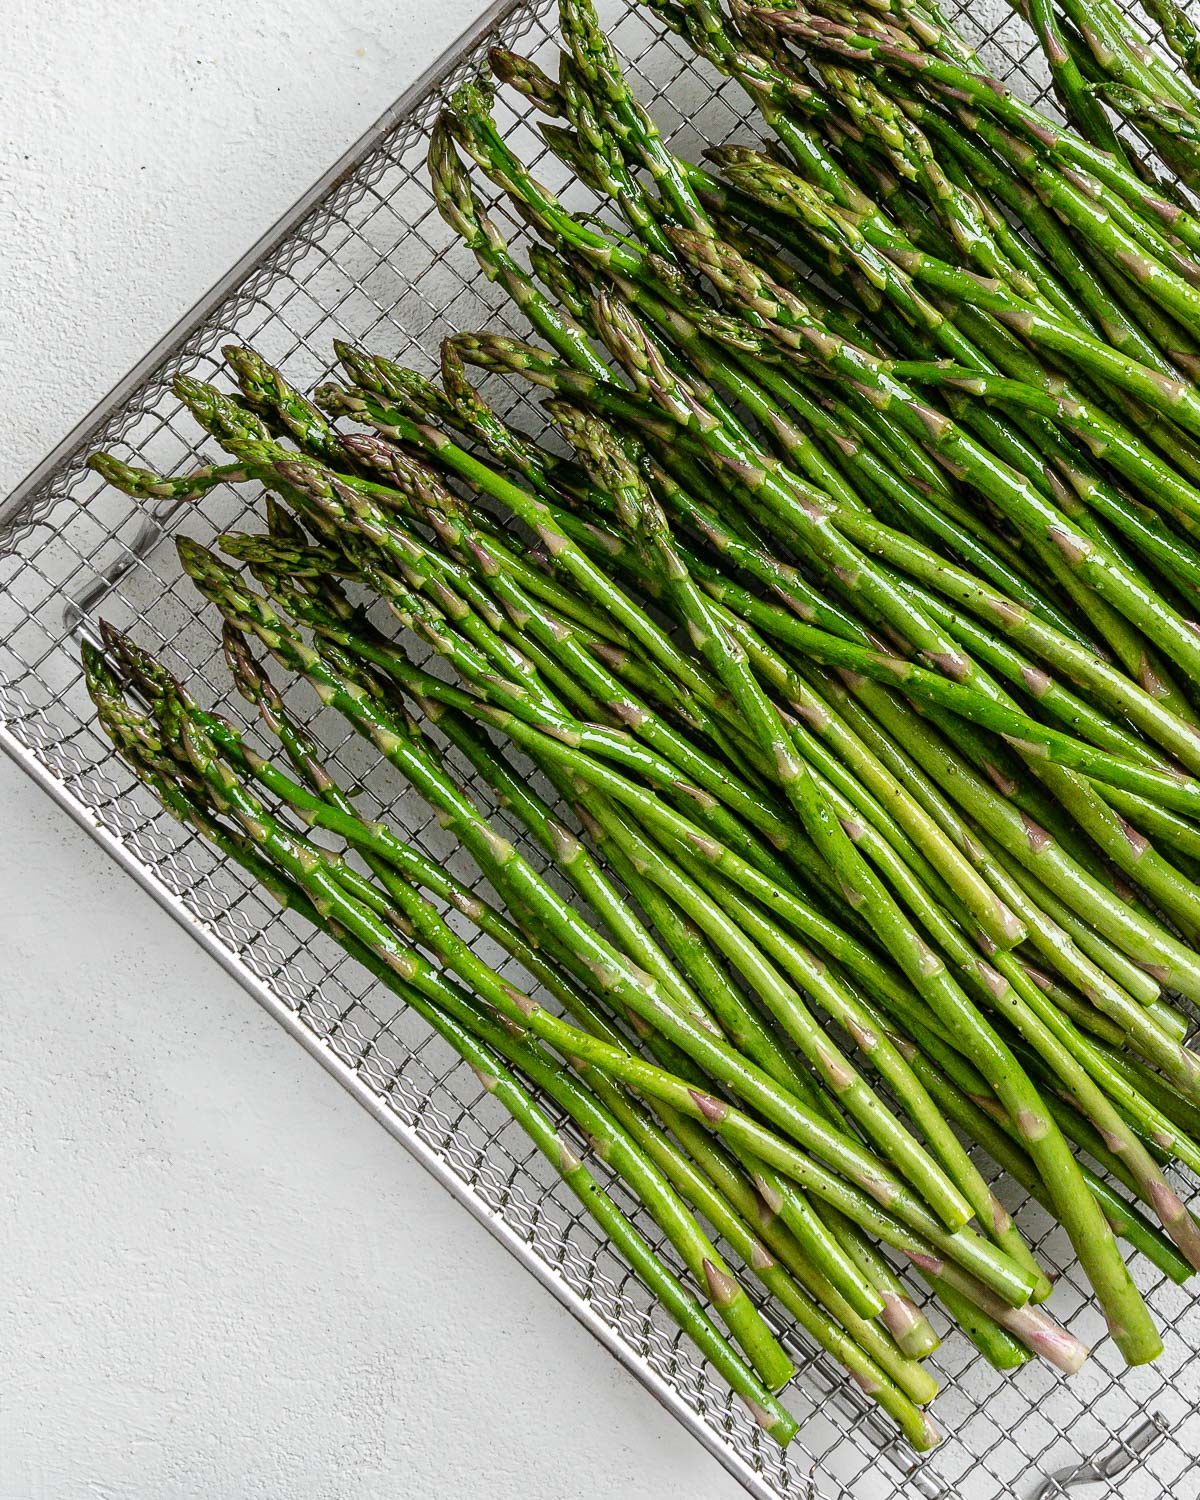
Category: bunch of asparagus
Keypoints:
(849, 631)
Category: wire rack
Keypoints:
(365, 255)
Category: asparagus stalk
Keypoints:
(824, 665)
(308, 888)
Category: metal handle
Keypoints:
(1130, 1448)
(150, 533)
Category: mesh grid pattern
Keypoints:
(374, 262)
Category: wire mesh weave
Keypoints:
(374, 262)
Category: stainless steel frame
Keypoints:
(364, 254)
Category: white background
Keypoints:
(218, 1277)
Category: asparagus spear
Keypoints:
(833, 756)
(301, 883)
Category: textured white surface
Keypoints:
(220, 1277)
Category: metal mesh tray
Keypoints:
(365, 255)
